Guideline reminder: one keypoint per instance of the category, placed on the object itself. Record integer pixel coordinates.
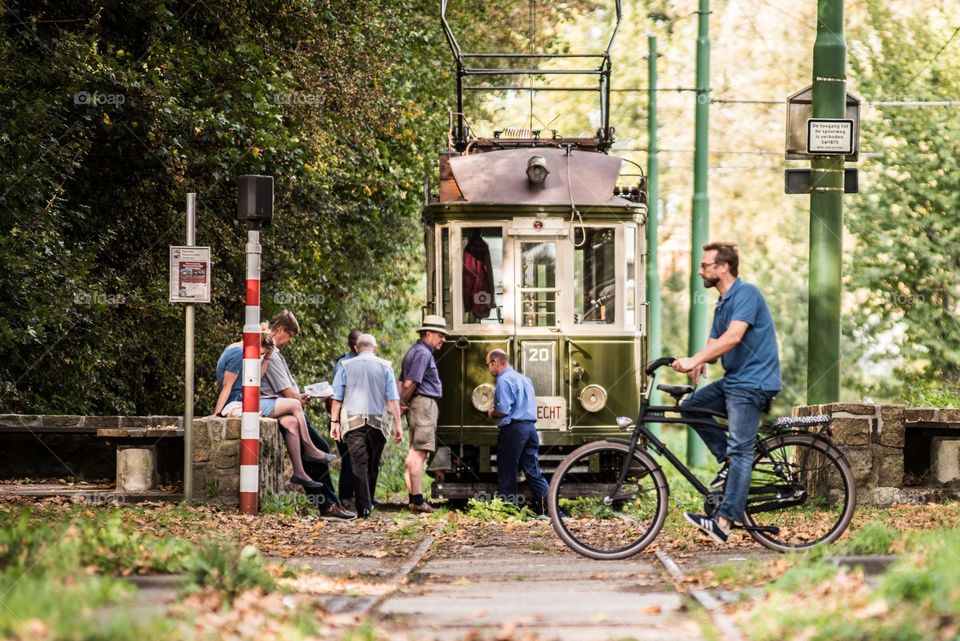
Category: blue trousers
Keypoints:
(519, 445)
(736, 443)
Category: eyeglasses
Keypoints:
(489, 363)
(705, 265)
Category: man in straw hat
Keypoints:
(420, 389)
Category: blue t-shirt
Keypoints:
(514, 396)
(755, 362)
(420, 366)
(231, 360)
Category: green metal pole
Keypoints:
(654, 340)
(697, 338)
(826, 211)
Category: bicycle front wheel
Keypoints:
(802, 493)
(600, 517)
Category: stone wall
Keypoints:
(873, 437)
(216, 459)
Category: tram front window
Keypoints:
(594, 268)
(538, 283)
(482, 249)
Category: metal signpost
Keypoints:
(189, 283)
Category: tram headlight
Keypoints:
(482, 397)
(537, 169)
(593, 398)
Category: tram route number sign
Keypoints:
(551, 413)
(830, 136)
(190, 274)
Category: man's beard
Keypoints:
(710, 282)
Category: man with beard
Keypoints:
(744, 338)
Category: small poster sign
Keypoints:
(190, 274)
(830, 136)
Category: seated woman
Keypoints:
(288, 411)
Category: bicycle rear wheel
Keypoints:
(598, 517)
(802, 493)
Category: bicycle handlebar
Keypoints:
(657, 364)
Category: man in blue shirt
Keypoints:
(515, 410)
(420, 389)
(744, 338)
(365, 404)
(345, 488)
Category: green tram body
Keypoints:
(571, 318)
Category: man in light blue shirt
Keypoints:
(365, 403)
(515, 410)
(744, 338)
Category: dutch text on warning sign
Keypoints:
(829, 136)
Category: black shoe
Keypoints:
(721, 476)
(365, 514)
(708, 526)
(308, 483)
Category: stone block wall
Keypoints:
(873, 438)
(216, 459)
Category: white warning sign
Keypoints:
(833, 136)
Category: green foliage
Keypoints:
(938, 392)
(220, 565)
(904, 265)
(113, 113)
(496, 509)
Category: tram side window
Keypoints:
(446, 280)
(594, 268)
(482, 285)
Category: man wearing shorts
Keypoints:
(420, 389)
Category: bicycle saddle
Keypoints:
(676, 391)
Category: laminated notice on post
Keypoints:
(190, 274)
(830, 136)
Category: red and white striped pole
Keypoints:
(250, 423)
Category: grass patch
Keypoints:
(286, 504)
(916, 599)
(221, 566)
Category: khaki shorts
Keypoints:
(422, 415)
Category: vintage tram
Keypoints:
(533, 246)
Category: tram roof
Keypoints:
(499, 177)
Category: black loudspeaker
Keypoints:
(255, 199)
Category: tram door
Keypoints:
(539, 273)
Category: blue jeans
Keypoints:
(737, 442)
(518, 444)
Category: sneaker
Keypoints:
(721, 476)
(708, 526)
(336, 513)
(422, 508)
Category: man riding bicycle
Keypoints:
(744, 338)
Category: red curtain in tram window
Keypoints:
(477, 277)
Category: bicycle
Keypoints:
(608, 499)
